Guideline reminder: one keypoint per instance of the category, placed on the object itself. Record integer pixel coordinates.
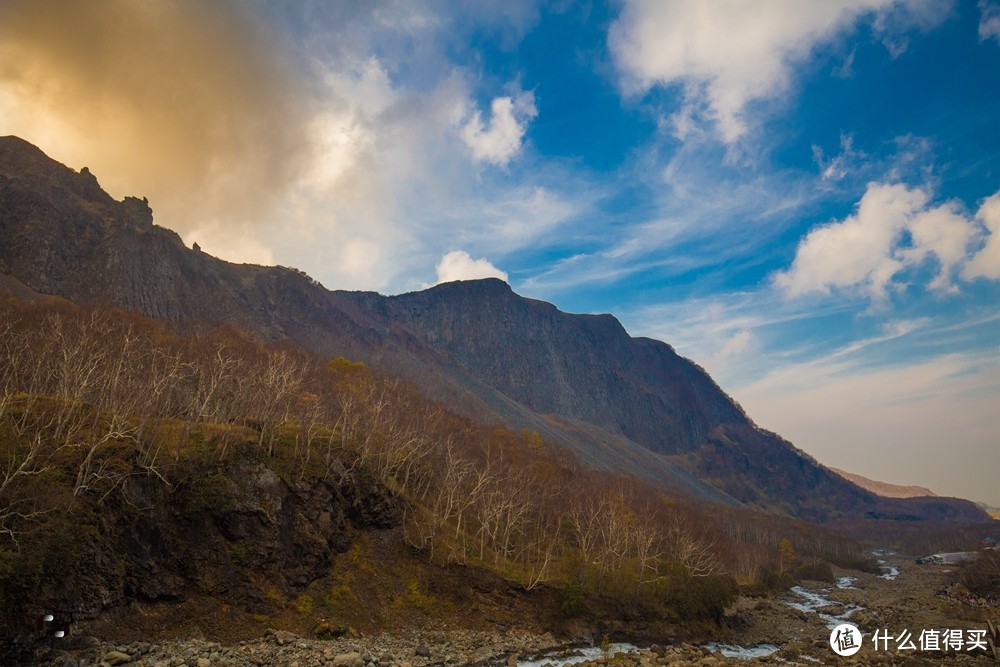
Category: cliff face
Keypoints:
(620, 403)
(582, 367)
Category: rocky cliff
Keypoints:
(229, 531)
(581, 367)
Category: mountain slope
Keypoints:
(582, 367)
(62, 235)
(621, 403)
(885, 489)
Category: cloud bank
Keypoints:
(330, 136)
(189, 103)
(727, 54)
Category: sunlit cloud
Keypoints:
(263, 146)
(724, 56)
(210, 127)
(894, 229)
(459, 265)
(499, 140)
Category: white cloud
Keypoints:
(943, 233)
(500, 141)
(893, 25)
(390, 188)
(726, 54)
(986, 262)
(459, 265)
(989, 20)
(735, 351)
(892, 230)
(737, 345)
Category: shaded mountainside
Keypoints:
(885, 489)
(620, 403)
(582, 367)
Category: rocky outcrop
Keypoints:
(217, 531)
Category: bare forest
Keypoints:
(91, 399)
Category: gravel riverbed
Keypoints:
(789, 629)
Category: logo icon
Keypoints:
(845, 639)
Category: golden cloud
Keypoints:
(190, 103)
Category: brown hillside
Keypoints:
(885, 489)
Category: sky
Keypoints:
(802, 196)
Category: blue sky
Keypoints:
(803, 197)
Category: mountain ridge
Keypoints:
(614, 364)
(630, 405)
(886, 489)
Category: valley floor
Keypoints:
(907, 599)
(796, 625)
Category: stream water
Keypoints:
(563, 657)
(889, 571)
(743, 652)
(811, 603)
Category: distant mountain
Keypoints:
(624, 404)
(885, 489)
